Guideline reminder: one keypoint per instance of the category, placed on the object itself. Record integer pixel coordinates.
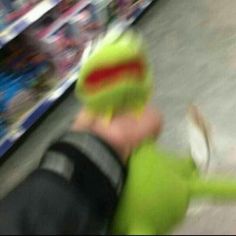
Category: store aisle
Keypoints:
(28, 155)
(192, 48)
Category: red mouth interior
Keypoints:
(112, 74)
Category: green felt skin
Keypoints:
(159, 184)
(158, 190)
(126, 94)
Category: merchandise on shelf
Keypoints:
(65, 5)
(86, 24)
(28, 85)
(63, 48)
(2, 17)
(16, 98)
(67, 39)
(23, 70)
(11, 10)
(101, 8)
(124, 9)
(3, 126)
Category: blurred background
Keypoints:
(192, 49)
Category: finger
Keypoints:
(116, 134)
(149, 126)
(83, 120)
(152, 122)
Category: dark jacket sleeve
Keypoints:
(74, 191)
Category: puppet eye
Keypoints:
(87, 52)
(119, 32)
(90, 48)
(114, 34)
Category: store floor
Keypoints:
(192, 47)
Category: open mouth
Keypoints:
(103, 77)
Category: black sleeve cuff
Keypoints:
(67, 154)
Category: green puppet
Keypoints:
(116, 78)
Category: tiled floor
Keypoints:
(192, 48)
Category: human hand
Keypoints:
(125, 132)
